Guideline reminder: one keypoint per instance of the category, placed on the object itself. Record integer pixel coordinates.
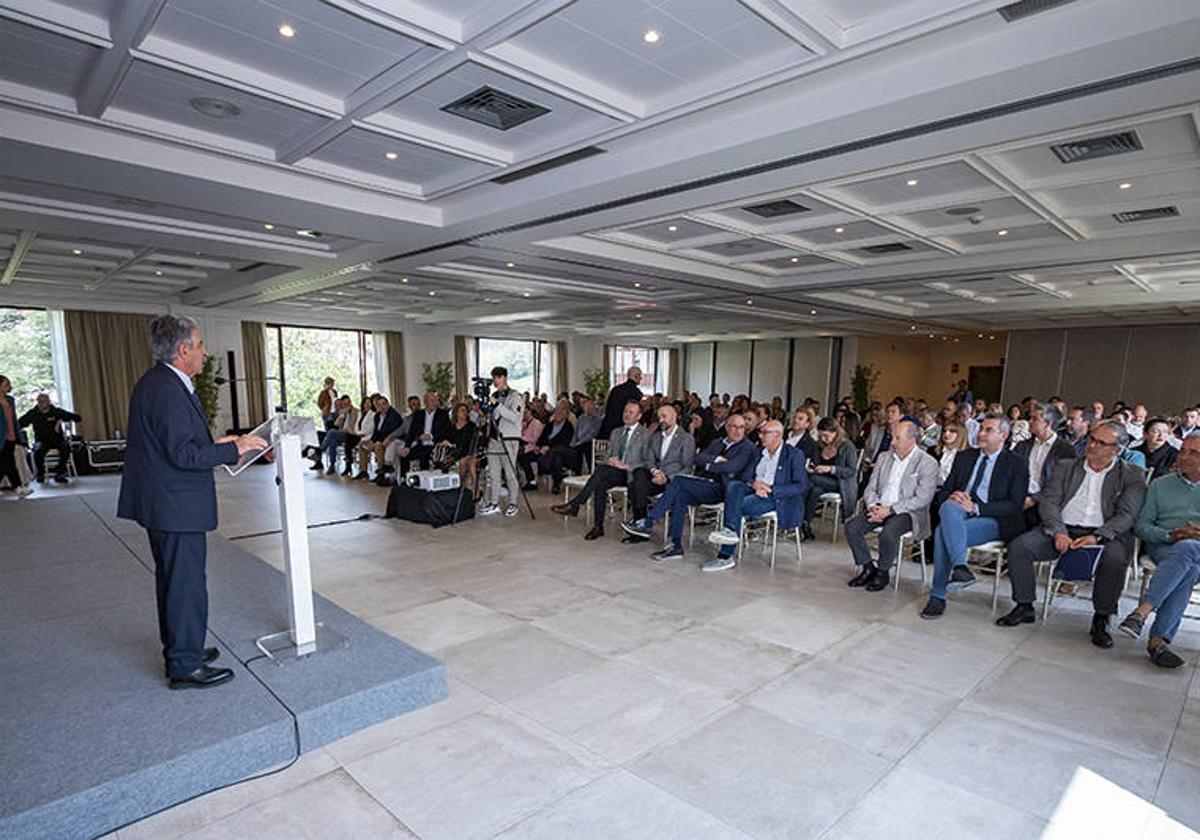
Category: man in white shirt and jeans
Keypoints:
(1093, 500)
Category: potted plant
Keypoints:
(863, 383)
(595, 383)
(439, 378)
(206, 388)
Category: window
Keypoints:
(308, 355)
(520, 357)
(25, 355)
(645, 358)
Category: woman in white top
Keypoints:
(954, 440)
(362, 432)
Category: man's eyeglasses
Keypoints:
(1099, 442)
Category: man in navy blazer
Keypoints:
(167, 487)
(982, 500)
(721, 463)
(776, 480)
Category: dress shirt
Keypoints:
(429, 415)
(1084, 509)
(667, 443)
(945, 464)
(627, 437)
(793, 438)
(972, 430)
(891, 491)
(1037, 460)
(987, 463)
(187, 380)
(767, 464)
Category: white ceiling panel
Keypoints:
(366, 152)
(932, 183)
(1009, 209)
(1011, 236)
(673, 230)
(40, 59)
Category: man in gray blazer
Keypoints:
(669, 452)
(1093, 500)
(897, 499)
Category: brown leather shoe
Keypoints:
(594, 534)
(565, 510)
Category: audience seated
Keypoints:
(1169, 526)
(833, 468)
(966, 416)
(953, 441)
(342, 423)
(47, 419)
(713, 427)
(554, 452)
(1093, 500)
(1076, 430)
(1041, 451)
(385, 433)
(776, 481)
(587, 426)
(897, 498)
(982, 500)
(800, 432)
(420, 431)
(1190, 423)
(671, 452)
(527, 456)
(10, 440)
(1155, 448)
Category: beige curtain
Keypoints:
(395, 364)
(461, 373)
(674, 386)
(254, 371)
(561, 371)
(607, 364)
(108, 352)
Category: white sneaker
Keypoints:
(489, 510)
(724, 536)
(511, 510)
(23, 491)
(719, 564)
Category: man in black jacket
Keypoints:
(47, 420)
(628, 391)
(982, 500)
(385, 432)
(1043, 449)
(425, 429)
(554, 452)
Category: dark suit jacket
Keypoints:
(736, 459)
(1006, 490)
(385, 424)
(791, 483)
(167, 483)
(416, 426)
(628, 391)
(560, 441)
(1058, 450)
(1121, 497)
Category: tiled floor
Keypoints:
(595, 693)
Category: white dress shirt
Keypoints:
(945, 465)
(666, 443)
(767, 464)
(891, 491)
(1084, 509)
(1037, 460)
(429, 423)
(187, 380)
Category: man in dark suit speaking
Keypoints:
(167, 487)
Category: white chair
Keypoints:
(989, 558)
(574, 483)
(706, 514)
(766, 526)
(829, 509)
(906, 550)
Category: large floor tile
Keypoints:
(808, 628)
(532, 596)
(443, 623)
(471, 778)
(614, 625)
(762, 775)
(877, 714)
(1026, 768)
(1185, 746)
(380, 595)
(701, 597)
(911, 806)
(1086, 704)
(621, 805)
(512, 662)
(1093, 806)
(1177, 793)
(618, 710)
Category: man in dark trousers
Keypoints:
(614, 408)
(47, 420)
(167, 487)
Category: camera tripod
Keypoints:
(479, 450)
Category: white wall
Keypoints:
(770, 370)
(697, 375)
(733, 367)
(810, 368)
(423, 345)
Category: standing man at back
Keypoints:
(614, 409)
(167, 487)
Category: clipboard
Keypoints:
(280, 424)
(1078, 564)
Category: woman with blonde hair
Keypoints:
(954, 440)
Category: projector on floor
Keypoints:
(432, 480)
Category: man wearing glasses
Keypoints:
(1093, 500)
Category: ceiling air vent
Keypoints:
(889, 248)
(1091, 148)
(546, 165)
(495, 108)
(1027, 8)
(774, 209)
(1146, 215)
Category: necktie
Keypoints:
(980, 469)
(624, 445)
(10, 426)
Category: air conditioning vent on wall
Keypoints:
(495, 108)
(1025, 8)
(772, 209)
(889, 248)
(1146, 215)
(1091, 148)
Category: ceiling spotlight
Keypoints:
(1124, 185)
(912, 182)
(390, 155)
(795, 259)
(980, 335)
(672, 228)
(1002, 232)
(210, 106)
(638, 315)
(931, 335)
(510, 265)
(652, 36)
(912, 326)
(524, 294)
(839, 230)
(157, 273)
(637, 285)
(269, 226)
(403, 279)
(433, 294)
(287, 30)
(812, 312)
(76, 251)
(749, 301)
(308, 234)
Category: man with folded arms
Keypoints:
(1169, 525)
(902, 485)
(1089, 501)
(718, 465)
(774, 481)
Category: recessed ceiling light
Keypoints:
(749, 301)
(912, 182)
(1002, 232)
(1124, 185)
(637, 285)
(403, 279)
(308, 234)
(795, 259)
(157, 273)
(980, 335)
(672, 228)
(638, 315)
(76, 251)
(812, 312)
(510, 265)
(390, 155)
(287, 30)
(524, 294)
(433, 294)
(912, 326)
(269, 226)
(652, 36)
(210, 106)
(839, 230)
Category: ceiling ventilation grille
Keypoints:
(1146, 215)
(546, 165)
(773, 209)
(1091, 148)
(889, 248)
(1026, 8)
(495, 108)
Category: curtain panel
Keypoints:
(561, 370)
(108, 352)
(608, 352)
(674, 374)
(461, 370)
(395, 365)
(254, 371)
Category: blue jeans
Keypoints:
(957, 532)
(1177, 571)
(682, 492)
(740, 500)
(332, 440)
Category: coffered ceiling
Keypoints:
(672, 169)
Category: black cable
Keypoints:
(362, 517)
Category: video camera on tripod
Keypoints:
(481, 387)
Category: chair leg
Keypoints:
(691, 525)
(774, 541)
(799, 550)
(996, 582)
(741, 538)
(899, 565)
(837, 517)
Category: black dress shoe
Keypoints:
(806, 533)
(1101, 638)
(630, 539)
(879, 581)
(861, 579)
(594, 534)
(565, 510)
(61, 479)
(1020, 614)
(202, 677)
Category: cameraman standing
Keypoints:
(504, 440)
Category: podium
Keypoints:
(287, 435)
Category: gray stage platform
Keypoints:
(90, 737)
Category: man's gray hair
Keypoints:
(1005, 426)
(1118, 429)
(911, 430)
(167, 332)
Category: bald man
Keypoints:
(671, 452)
